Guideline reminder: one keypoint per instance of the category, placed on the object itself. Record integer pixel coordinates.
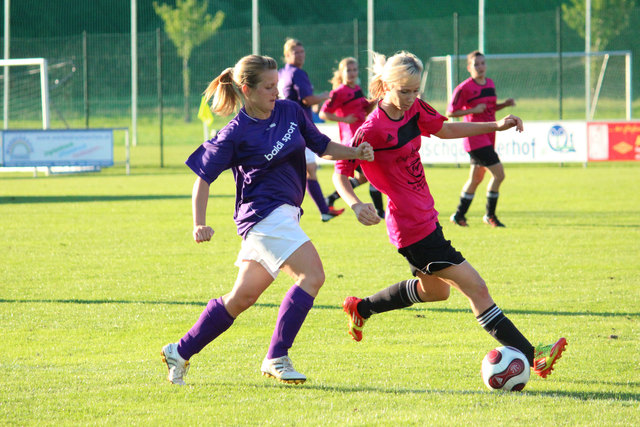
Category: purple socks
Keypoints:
(293, 310)
(316, 194)
(214, 320)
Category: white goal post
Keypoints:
(442, 67)
(44, 87)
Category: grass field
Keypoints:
(99, 271)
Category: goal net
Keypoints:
(25, 90)
(548, 86)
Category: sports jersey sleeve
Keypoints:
(364, 133)
(315, 140)
(212, 157)
(430, 120)
(302, 84)
(334, 102)
(458, 100)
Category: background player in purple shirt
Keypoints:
(264, 147)
(475, 99)
(294, 84)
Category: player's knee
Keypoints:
(240, 301)
(312, 280)
(480, 289)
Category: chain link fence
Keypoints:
(90, 74)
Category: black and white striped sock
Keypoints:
(500, 327)
(399, 295)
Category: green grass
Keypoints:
(99, 271)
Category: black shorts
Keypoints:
(431, 254)
(485, 156)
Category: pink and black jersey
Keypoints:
(343, 101)
(397, 170)
(467, 95)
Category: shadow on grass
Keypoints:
(96, 198)
(585, 219)
(581, 395)
(316, 307)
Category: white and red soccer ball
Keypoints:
(505, 368)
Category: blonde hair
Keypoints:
(226, 88)
(289, 44)
(399, 67)
(338, 75)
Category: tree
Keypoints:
(188, 26)
(608, 19)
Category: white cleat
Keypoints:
(282, 370)
(178, 367)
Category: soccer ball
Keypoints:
(505, 368)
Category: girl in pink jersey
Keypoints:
(394, 130)
(475, 99)
(348, 106)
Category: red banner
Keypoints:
(614, 140)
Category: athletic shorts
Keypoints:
(309, 155)
(485, 156)
(271, 241)
(431, 254)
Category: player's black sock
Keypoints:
(399, 295)
(465, 202)
(331, 198)
(492, 202)
(376, 198)
(500, 327)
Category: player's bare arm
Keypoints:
(508, 103)
(365, 212)
(199, 198)
(461, 129)
(475, 110)
(337, 151)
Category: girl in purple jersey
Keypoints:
(475, 99)
(264, 147)
(348, 106)
(394, 131)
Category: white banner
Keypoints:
(541, 142)
(31, 148)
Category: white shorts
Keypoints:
(309, 155)
(271, 241)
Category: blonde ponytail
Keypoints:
(226, 88)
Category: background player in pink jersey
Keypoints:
(394, 130)
(348, 106)
(475, 99)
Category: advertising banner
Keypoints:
(32, 148)
(541, 142)
(614, 141)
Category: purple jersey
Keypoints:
(266, 157)
(294, 84)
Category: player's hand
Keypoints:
(509, 122)
(510, 103)
(366, 213)
(364, 151)
(480, 108)
(349, 119)
(202, 233)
